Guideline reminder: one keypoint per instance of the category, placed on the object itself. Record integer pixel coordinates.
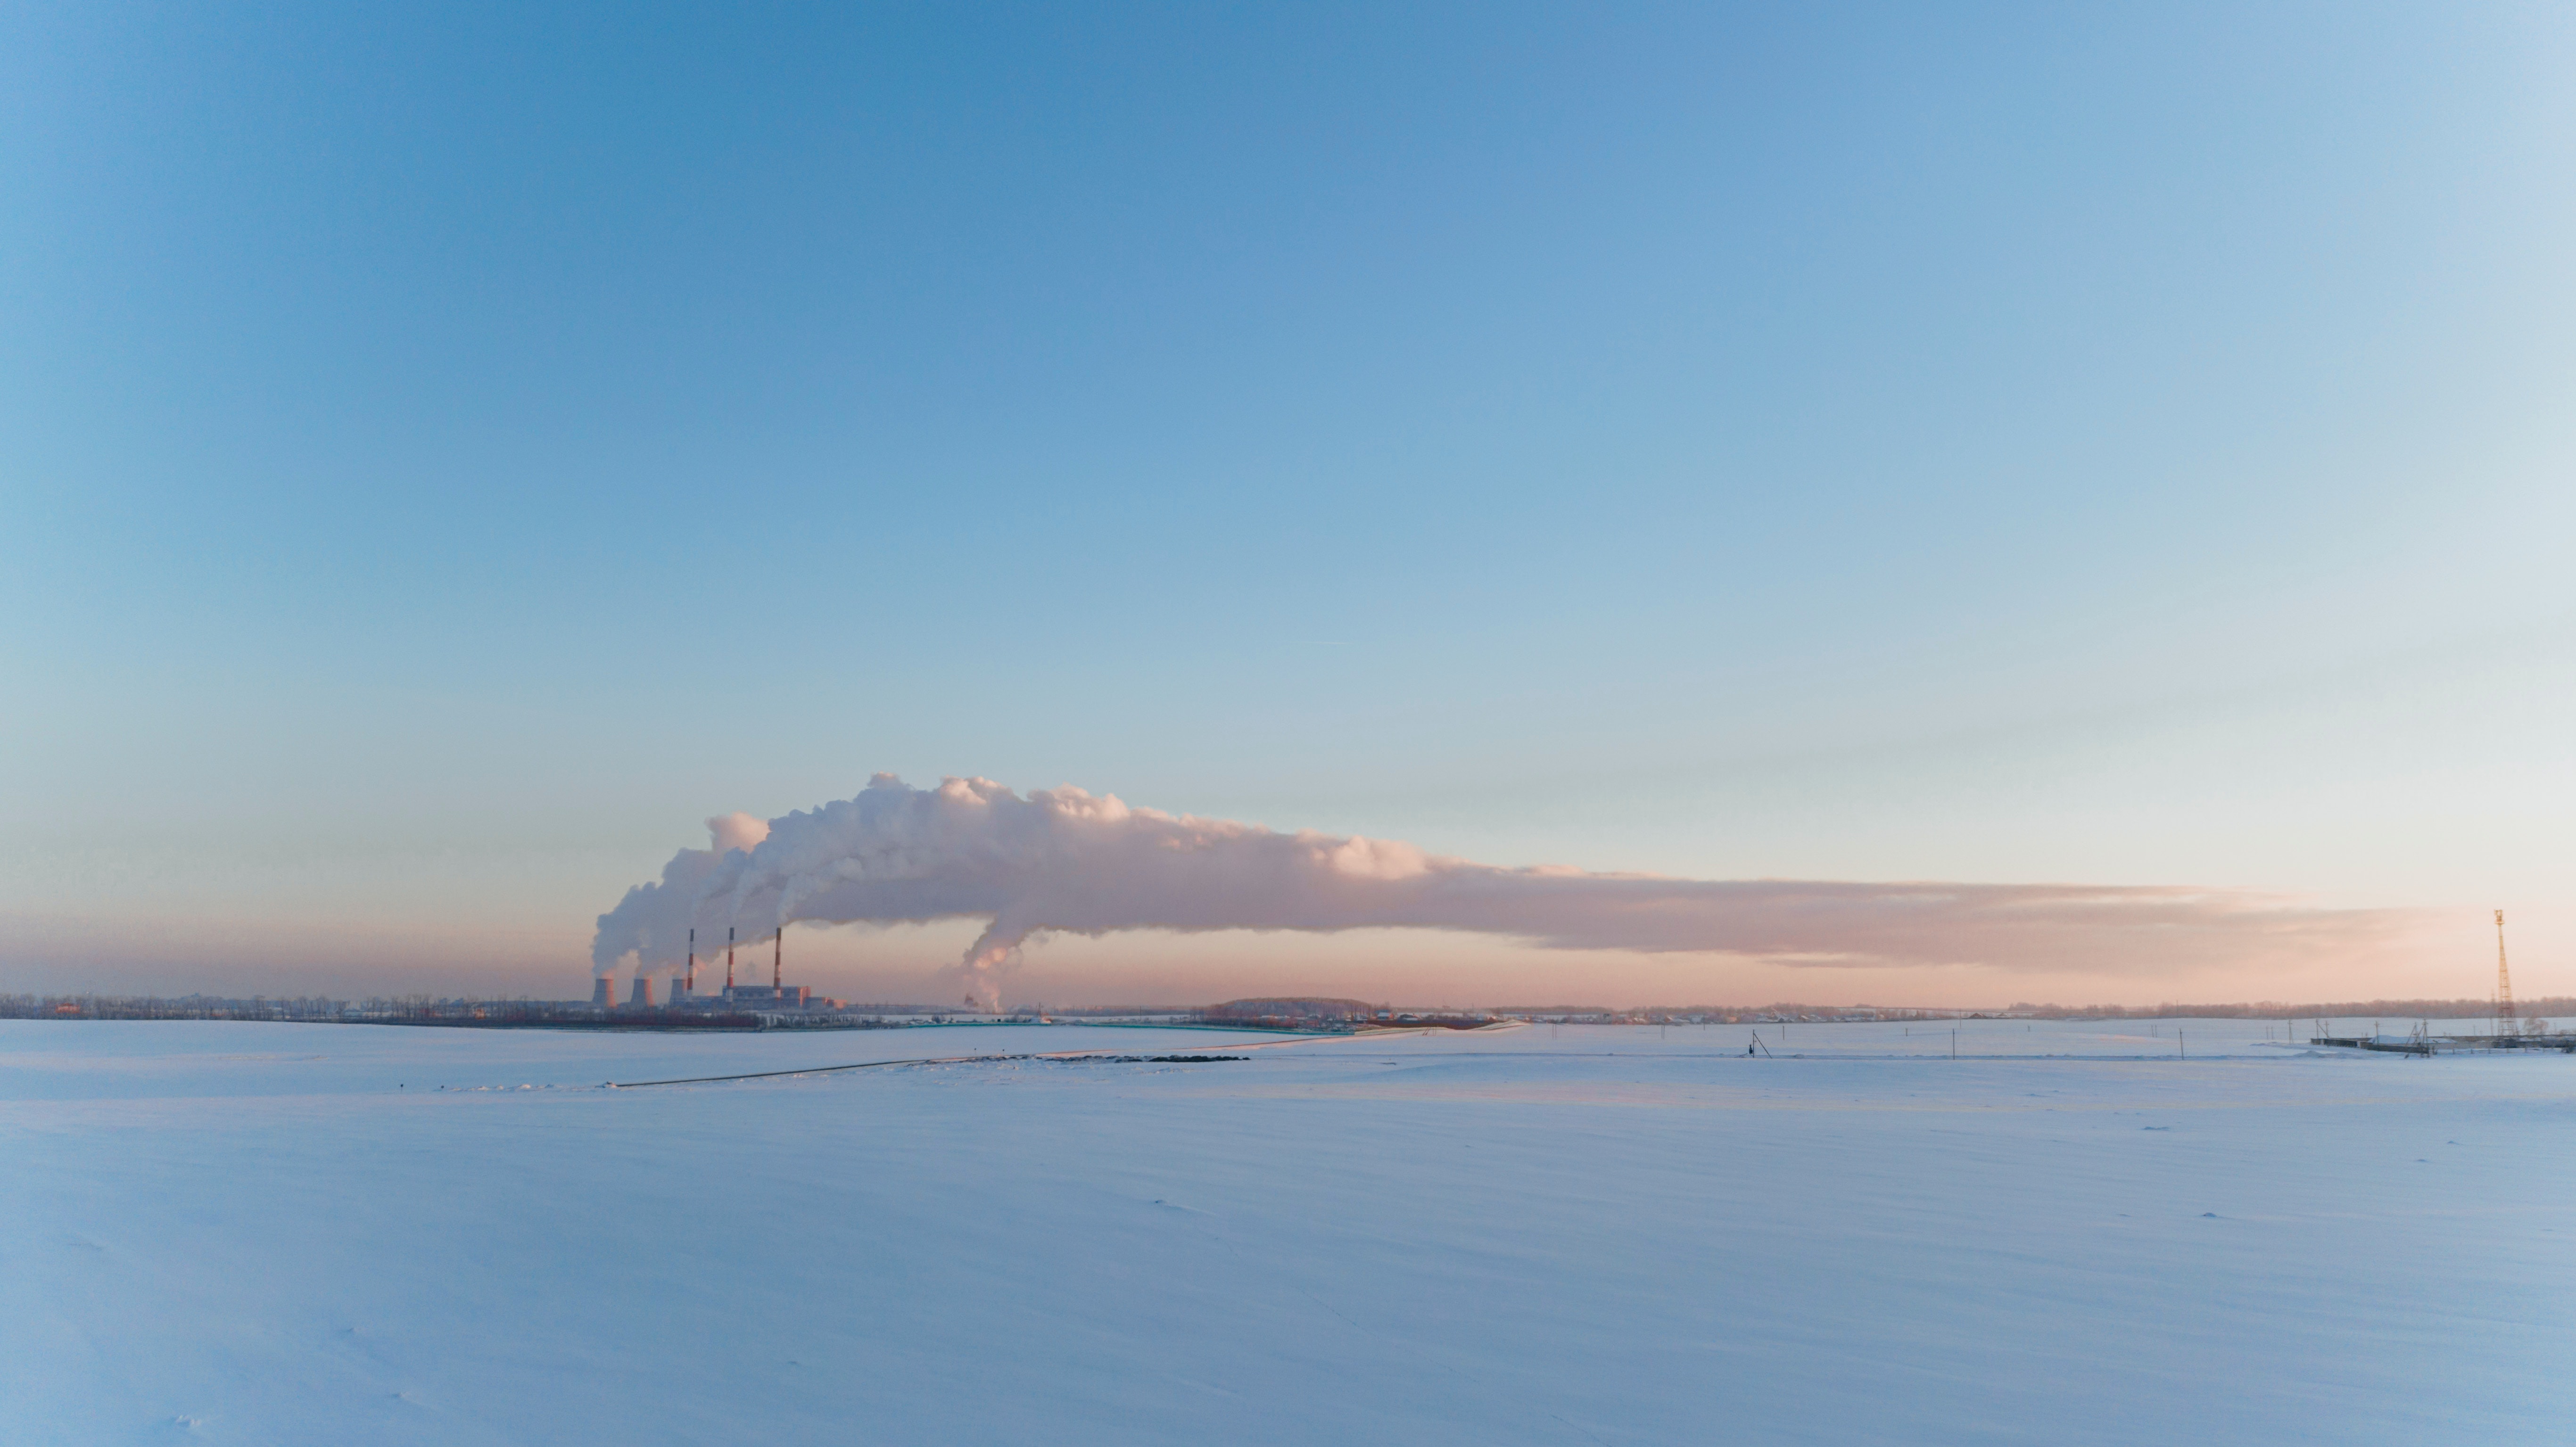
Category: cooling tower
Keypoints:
(643, 996)
(599, 992)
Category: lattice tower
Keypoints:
(2504, 982)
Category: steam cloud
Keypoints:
(1062, 860)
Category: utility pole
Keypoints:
(2504, 983)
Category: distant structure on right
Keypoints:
(2504, 983)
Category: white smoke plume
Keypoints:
(1062, 860)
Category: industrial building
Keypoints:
(765, 997)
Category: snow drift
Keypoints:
(1066, 860)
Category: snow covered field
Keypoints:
(338, 1234)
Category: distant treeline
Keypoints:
(402, 1010)
(266, 1007)
(2548, 1005)
(426, 1010)
(186, 1007)
(1679, 1014)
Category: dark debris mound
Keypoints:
(1165, 1059)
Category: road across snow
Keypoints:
(332, 1234)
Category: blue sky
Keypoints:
(449, 453)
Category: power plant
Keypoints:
(735, 999)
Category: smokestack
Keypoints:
(599, 992)
(728, 959)
(689, 985)
(777, 951)
(643, 996)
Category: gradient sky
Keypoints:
(447, 454)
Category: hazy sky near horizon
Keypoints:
(449, 454)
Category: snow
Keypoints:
(265, 1233)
